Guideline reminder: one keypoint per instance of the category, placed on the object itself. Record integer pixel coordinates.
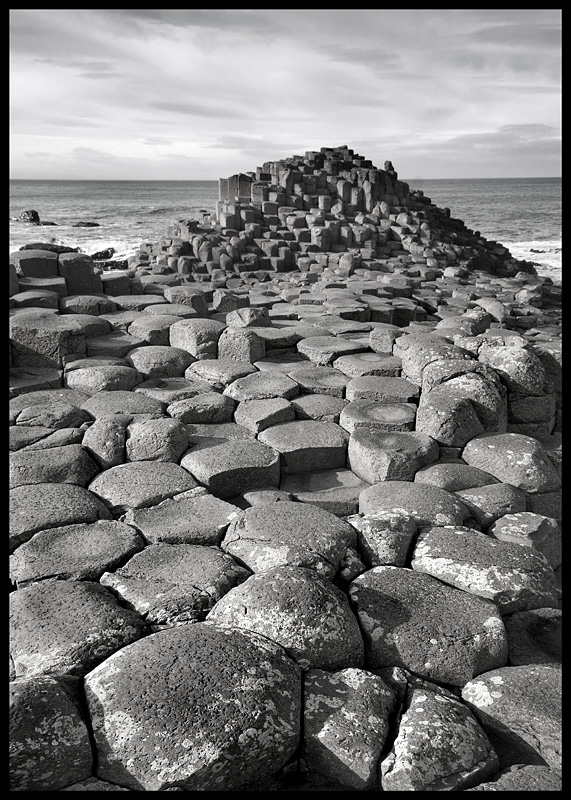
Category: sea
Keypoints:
(523, 214)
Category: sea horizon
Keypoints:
(523, 214)
(213, 180)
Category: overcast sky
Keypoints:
(200, 94)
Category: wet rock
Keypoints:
(535, 637)
(30, 216)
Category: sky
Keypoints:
(200, 94)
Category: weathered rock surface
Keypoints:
(520, 710)
(192, 744)
(227, 381)
(298, 609)
(292, 534)
(464, 635)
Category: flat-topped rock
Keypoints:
(231, 467)
(382, 416)
(93, 379)
(262, 385)
(174, 584)
(203, 408)
(307, 445)
(219, 372)
(29, 379)
(105, 404)
(316, 379)
(67, 464)
(323, 350)
(319, 407)
(169, 390)
(288, 533)
(382, 389)
(334, 490)
(140, 484)
(80, 551)
(159, 361)
(358, 364)
(191, 517)
(378, 455)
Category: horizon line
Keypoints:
(215, 180)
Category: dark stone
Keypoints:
(53, 248)
(30, 216)
(86, 225)
(103, 255)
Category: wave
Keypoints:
(544, 254)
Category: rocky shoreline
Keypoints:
(285, 500)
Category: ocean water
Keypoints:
(523, 214)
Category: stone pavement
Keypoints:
(287, 518)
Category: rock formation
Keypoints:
(285, 501)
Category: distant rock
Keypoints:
(30, 216)
(103, 255)
(86, 225)
(54, 248)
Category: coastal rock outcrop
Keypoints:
(286, 500)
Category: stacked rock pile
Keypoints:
(285, 501)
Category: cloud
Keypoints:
(226, 86)
(197, 110)
(99, 67)
(536, 35)
(370, 57)
(157, 140)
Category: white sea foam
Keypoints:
(545, 255)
